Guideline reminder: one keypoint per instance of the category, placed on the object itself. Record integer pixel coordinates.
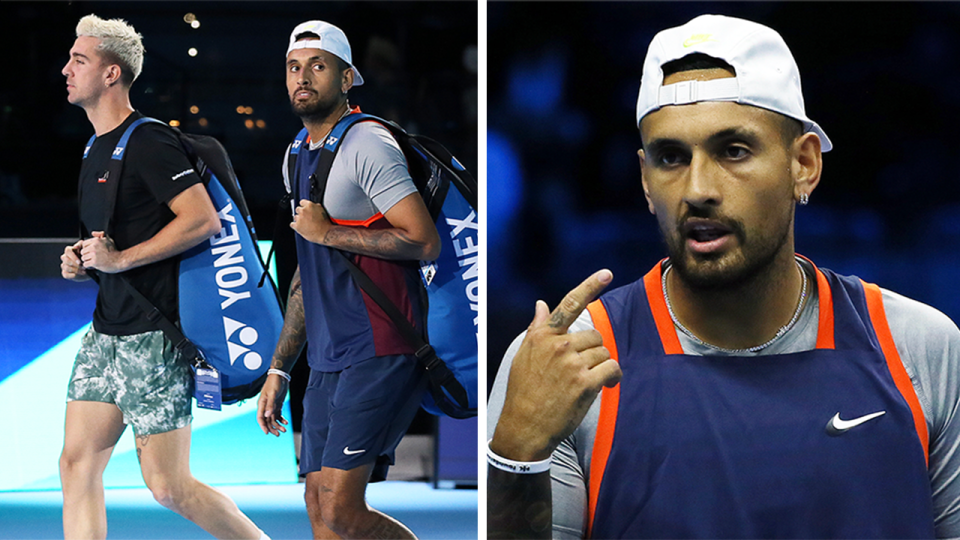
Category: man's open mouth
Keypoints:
(704, 230)
(705, 235)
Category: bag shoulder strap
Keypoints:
(86, 151)
(440, 375)
(318, 180)
(295, 146)
(292, 152)
(114, 167)
(172, 331)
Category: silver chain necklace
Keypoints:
(317, 144)
(783, 329)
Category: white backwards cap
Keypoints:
(766, 73)
(332, 40)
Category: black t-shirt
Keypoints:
(155, 170)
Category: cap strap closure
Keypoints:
(682, 93)
(305, 44)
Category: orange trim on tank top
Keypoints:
(607, 423)
(357, 223)
(825, 318)
(668, 332)
(878, 317)
(661, 315)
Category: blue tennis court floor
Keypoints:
(278, 509)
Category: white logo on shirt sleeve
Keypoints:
(181, 174)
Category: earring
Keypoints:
(804, 199)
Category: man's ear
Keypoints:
(346, 80)
(112, 74)
(806, 164)
(643, 181)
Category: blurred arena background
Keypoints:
(214, 68)
(421, 58)
(563, 190)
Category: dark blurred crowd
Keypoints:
(419, 60)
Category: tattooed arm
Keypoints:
(294, 333)
(518, 505)
(553, 380)
(412, 235)
(292, 338)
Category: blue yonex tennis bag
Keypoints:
(452, 282)
(231, 324)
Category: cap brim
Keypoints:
(825, 144)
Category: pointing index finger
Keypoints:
(576, 300)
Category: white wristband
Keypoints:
(280, 372)
(516, 467)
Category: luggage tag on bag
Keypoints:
(207, 387)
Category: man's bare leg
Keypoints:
(311, 495)
(165, 464)
(91, 430)
(337, 497)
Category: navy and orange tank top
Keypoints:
(343, 323)
(738, 447)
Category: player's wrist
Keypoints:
(116, 261)
(280, 373)
(516, 466)
(311, 235)
(518, 448)
(326, 235)
(123, 262)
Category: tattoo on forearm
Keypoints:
(381, 243)
(294, 332)
(518, 505)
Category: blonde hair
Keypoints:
(119, 43)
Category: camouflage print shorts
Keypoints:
(140, 374)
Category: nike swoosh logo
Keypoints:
(349, 452)
(838, 426)
(697, 39)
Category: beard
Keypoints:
(729, 270)
(314, 110)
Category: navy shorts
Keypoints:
(357, 416)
